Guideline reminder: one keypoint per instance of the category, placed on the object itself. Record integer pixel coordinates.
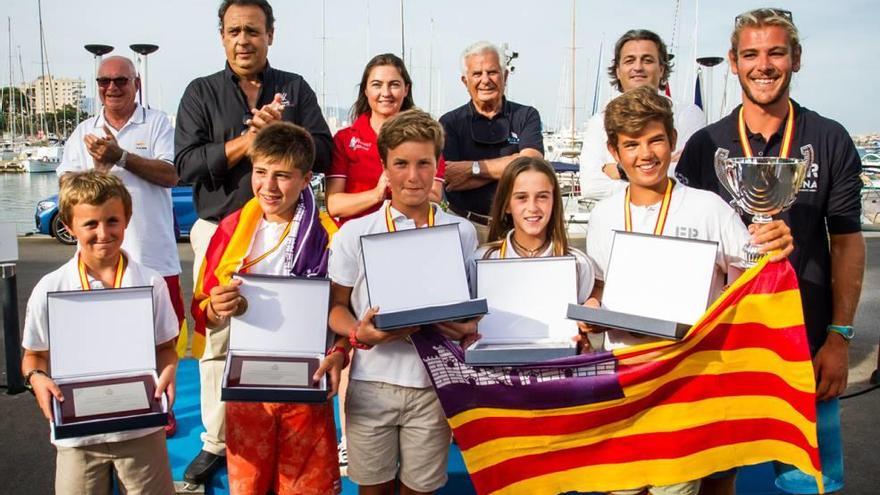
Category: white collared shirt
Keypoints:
(693, 214)
(595, 185)
(66, 278)
(149, 237)
(395, 362)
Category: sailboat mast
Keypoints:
(30, 108)
(11, 83)
(596, 86)
(402, 40)
(324, 57)
(573, 108)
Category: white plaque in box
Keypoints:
(527, 299)
(654, 285)
(8, 243)
(278, 343)
(417, 276)
(105, 365)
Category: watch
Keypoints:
(475, 167)
(845, 331)
(29, 375)
(122, 159)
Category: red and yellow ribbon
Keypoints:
(84, 277)
(248, 264)
(389, 220)
(661, 216)
(787, 136)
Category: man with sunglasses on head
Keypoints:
(829, 253)
(640, 59)
(135, 144)
(218, 118)
(484, 135)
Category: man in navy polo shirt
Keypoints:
(484, 135)
(829, 254)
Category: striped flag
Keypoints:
(737, 390)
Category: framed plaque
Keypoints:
(527, 299)
(276, 346)
(417, 277)
(654, 285)
(105, 367)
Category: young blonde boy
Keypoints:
(96, 208)
(284, 448)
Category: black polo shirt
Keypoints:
(525, 132)
(212, 111)
(828, 202)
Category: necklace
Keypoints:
(524, 252)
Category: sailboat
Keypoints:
(565, 144)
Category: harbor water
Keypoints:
(19, 195)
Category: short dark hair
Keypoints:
(411, 125)
(285, 143)
(361, 105)
(637, 35)
(263, 4)
(632, 111)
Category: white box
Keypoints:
(417, 277)
(528, 299)
(278, 343)
(654, 285)
(8, 243)
(95, 358)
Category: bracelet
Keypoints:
(339, 349)
(30, 374)
(353, 340)
(845, 331)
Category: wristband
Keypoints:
(353, 340)
(30, 374)
(337, 348)
(845, 331)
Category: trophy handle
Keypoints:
(801, 174)
(727, 175)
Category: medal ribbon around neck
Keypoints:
(389, 221)
(277, 245)
(787, 136)
(661, 216)
(117, 278)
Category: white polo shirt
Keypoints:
(585, 272)
(595, 185)
(693, 214)
(66, 278)
(395, 362)
(149, 238)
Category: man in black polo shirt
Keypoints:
(218, 118)
(829, 254)
(484, 135)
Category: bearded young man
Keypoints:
(829, 255)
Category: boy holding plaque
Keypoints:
(641, 138)
(285, 448)
(96, 208)
(395, 427)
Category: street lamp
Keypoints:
(98, 51)
(143, 50)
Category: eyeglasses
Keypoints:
(120, 82)
(764, 13)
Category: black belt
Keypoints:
(473, 217)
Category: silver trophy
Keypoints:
(763, 186)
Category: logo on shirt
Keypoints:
(285, 101)
(357, 145)
(811, 181)
(140, 145)
(513, 139)
(686, 232)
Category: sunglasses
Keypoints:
(764, 13)
(120, 82)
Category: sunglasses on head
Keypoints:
(120, 82)
(764, 13)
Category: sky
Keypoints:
(838, 64)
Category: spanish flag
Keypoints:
(232, 242)
(737, 390)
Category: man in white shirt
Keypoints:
(640, 59)
(135, 144)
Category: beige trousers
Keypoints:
(214, 359)
(141, 466)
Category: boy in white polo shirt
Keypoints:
(96, 208)
(641, 138)
(395, 427)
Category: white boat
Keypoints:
(42, 159)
